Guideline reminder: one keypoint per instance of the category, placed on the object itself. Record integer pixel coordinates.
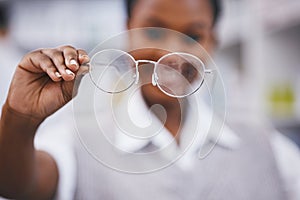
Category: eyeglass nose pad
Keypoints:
(136, 76)
(154, 79)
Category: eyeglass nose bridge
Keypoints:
(154, 76)
(145, 61)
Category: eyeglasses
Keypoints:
(176, 74)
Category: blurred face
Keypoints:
(193, 18)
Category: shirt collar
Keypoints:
(139, 115)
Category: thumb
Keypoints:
(83, 70)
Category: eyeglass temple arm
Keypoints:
(155, 78)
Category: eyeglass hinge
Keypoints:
(208, 71)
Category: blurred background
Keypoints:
(258, 52)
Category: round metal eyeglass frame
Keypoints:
(154, 75)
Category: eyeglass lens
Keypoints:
(112, 71)
(179, 74)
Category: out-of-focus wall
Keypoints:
(82, 23)
(259, 57)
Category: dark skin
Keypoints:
(35, 93)
(44, 81)
(191, 17)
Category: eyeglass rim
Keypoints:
(116, 92)
(154, 74)
(155, 77)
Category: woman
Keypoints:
(44, 82)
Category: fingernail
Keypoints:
(85, 57)
(69, 72)
(73, 62)
(57, 74)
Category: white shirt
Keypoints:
(141, 116)
(60, 147)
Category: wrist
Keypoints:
(12, 121)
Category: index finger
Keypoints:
(71, 57)
(83, 57)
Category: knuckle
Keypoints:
(62, 68)
(44, 58)
(35, 52)
(48, 70)
(30, 57)
(47, 64)
(81, 51)
(50, 52)
(64, 47)
(68, 47)
(27, 56)
(56, 54)
(70, 56)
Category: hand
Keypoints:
(44, 80)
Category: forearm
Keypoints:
(21, 173)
